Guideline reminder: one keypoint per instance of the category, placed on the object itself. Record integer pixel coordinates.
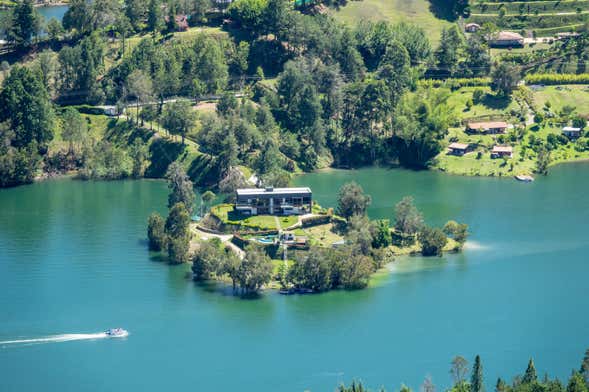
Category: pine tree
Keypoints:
(155, 21)
(585, 367)
(476, 380)
(530, 376)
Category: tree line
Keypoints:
(529, 381)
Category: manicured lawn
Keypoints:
(287, 221)
(411, 11)
(322, 235)
(490, 104)
(559, 96)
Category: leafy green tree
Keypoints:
(432, 241)
(156, 233)
(25, 104)
(381, 236)
(478, 60)
(585, 367)
(207, 198)
(420, 123)
(78, 16)
(501, 386)
(459, 369)
(248, 13)
(408, 219)
(505, 78)
(178, 118)
(543, 161)
(352, 200)
(458, 231)
(207, 260)
(355, 270)
(47, 65)
(155, 19)
(181, 188)
(139, 154)
(255, 270)
(311, 270)
(530, 375)
(74, 129)
(136, 11)
(139, 85)
(178, 234)
(576, 383)
(230, 266)
(476, 377)
(55, 29)
(359, 234)
(449, 51)
(25, 23)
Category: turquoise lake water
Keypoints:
(73, 260)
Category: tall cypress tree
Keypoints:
(530, 376)
(585, 367)
(500, 386)
(476, 379)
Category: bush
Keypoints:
(316, 220)
(555, 79)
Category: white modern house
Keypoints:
(273, 201)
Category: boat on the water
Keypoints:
(524, 178)
(116, 333)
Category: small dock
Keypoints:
(524, 178)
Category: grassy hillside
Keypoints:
(411, 11)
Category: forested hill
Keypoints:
(264, 86)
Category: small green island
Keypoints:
(283, 239)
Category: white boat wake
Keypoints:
(56, 338)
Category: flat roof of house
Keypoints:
(502, 149)
(272, 191)
(571, 129)
(487, 124)
(459, 146)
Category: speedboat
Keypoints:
(116, 333)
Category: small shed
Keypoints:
(571, 132)
(458, 149)
(472, 27)
(502, 152)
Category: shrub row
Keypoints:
(316, 220)
(543, 7)
(531, 21)
(553, 79)
(455, 83)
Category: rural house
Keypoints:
(273, 201)
(487, 127)
(502, 152)
(458, 149)
(506, 39)
(571, 132)
(472, 27)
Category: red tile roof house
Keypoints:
(458, 149)
(488, 127)
(502, 152)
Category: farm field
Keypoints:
(559, 96)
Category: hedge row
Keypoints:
(552, 79)
(316, 220)
(455, 83)
(531, 21)
(543, 7)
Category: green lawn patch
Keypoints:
(411, 11)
